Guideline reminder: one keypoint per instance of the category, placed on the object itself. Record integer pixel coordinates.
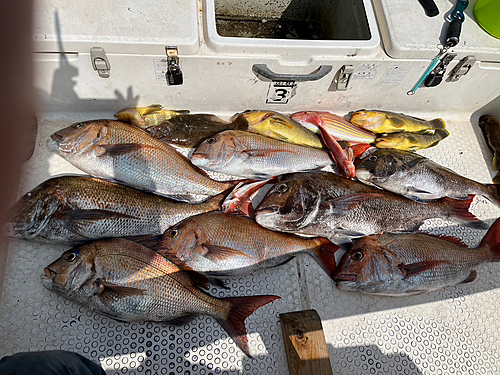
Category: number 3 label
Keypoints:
(280, 92)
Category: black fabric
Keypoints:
(54, 362)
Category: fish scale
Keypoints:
(125, 153)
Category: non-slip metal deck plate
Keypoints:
(453, 331)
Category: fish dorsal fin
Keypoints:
(118, 149)
(455, 240)
(470, 278)
(124, 291)
(221, 253)
(152, 109)
(351, 201)
(91, 215)
(264, 152)
(413, 269)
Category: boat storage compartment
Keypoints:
(95, 58)
(329, 27)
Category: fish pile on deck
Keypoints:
(150, 227)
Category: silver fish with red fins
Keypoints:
(404, 264)
(129, 282)
(419, 178)
(221, 244)
(323, 204)
(251, 155)
(71, 209)
(124, 153)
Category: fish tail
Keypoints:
(242, 308)
(437, 123)
(215, 202)
(442, 133)
(325, 255)
(496, 179)
(493, 192)
(458, 210)
(496, 161)
(492, 240)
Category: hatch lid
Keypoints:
(119, 27)
(408, 33)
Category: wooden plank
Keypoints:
(305, 343)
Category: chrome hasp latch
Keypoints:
(100, 62)
(462, 68)
(174, 72)
(344, 76)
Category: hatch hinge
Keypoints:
(462, 68)
(100, 62)
(174, 72)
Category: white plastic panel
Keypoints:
(408, 33)
(452, 331)
(122, 26)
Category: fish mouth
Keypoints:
(198, 155)
(267, 210)
(56, 136)
(362, 173)
(345, 277)
(49, 273)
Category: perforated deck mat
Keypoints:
(452, 331)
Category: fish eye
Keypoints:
(358, 255)
(173, 233)
(29, 195)
(70, 257)
(78, 125)
(372, 158)
(211, 140)
(282, 188)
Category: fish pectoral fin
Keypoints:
(124, 291)
(221, 253)
(412, 164)
(263, 152)
(470, 278)
(279, 136)
(416, 199)
(413, 269)
(351, 201)
(118, 149)
(92, 215)
(414, 191)
(197, 278)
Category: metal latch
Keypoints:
(436, 76)
(100, 62)
(174, 72)
(462, 68)
(344, 76)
